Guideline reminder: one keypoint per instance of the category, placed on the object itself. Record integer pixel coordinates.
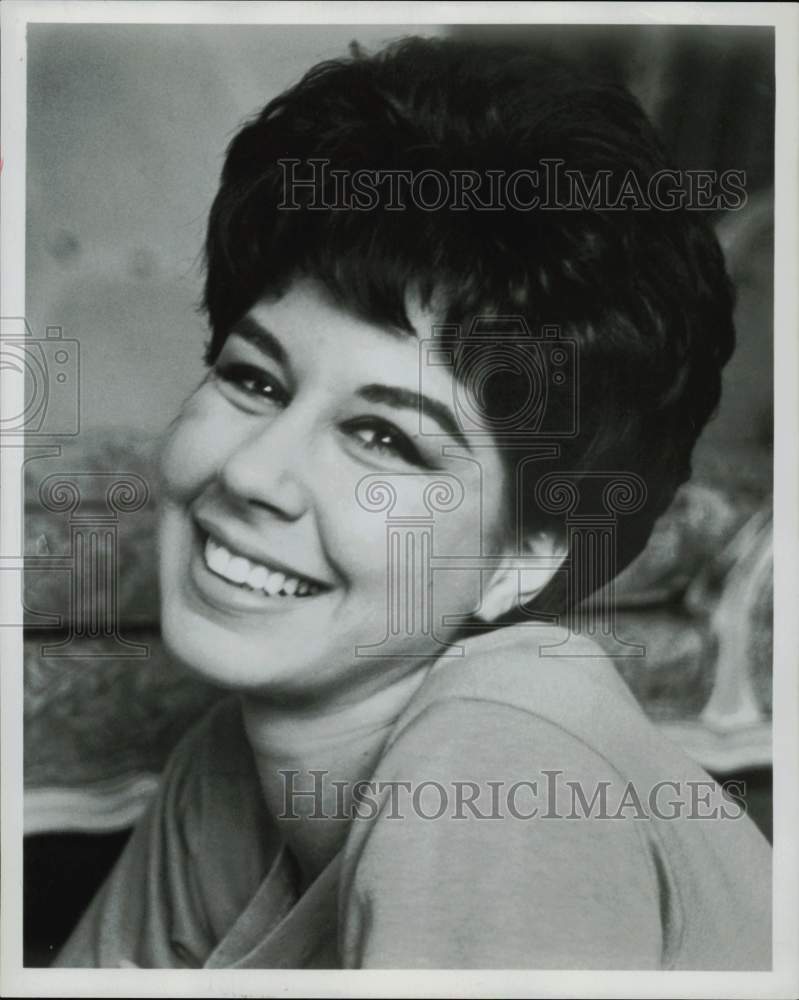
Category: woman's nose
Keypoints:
(265, 468)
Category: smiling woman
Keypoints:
(368, 537)
(272, 572)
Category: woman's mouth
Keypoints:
(259, 577)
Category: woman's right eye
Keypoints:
(252, 382)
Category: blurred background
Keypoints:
(126, 131)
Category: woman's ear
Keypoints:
(518, 580)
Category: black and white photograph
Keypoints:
(400, 505)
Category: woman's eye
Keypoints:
(253, 382)
(387, 440)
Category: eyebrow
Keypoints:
(407, 399)
(248, 329)
(404, 399)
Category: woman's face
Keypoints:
(272, 570)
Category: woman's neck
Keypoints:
(310, 758)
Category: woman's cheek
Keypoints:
(192, 447)
(389, 550)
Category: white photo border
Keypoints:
(783, 981)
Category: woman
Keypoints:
(365, 538)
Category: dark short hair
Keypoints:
(643, 294)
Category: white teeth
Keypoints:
(240, 570)
(257, 579)
(216, 557)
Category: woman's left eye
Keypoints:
(385, 439)
(252, 381)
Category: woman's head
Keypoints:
(642, 294)
(317, 306)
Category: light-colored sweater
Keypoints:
(614, 851)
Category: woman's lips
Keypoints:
(227, 594)
(229, 545)
(243, 572)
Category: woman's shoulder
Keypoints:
(525, 790)
(456, 855)
(546, 673)
(559, 695)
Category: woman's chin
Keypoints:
(222, 657)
